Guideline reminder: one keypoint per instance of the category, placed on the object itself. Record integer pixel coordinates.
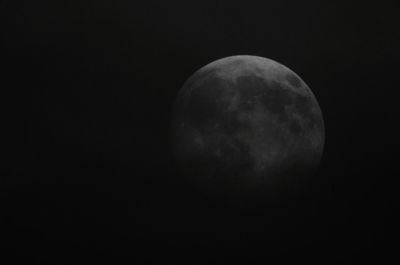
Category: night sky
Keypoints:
(87, 174)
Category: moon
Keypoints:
(247, 125)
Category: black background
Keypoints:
(87, 175)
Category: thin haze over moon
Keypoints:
(245, 124)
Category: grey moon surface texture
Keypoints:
(246, 124)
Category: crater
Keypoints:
(293, 80)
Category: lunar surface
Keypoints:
(246, 124)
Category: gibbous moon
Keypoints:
(247, 124)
